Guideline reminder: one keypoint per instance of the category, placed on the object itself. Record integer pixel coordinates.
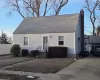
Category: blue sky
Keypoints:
(9, 23)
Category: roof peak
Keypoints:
(54, 15)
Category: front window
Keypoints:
(25, 40)
(61, 40)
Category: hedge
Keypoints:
(57, 52)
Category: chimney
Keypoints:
(82, 30)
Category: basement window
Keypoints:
(61, 40)
(25, 40)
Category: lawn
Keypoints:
(42, 65)
(9, 60)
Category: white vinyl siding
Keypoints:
(35, 41)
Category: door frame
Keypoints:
(45, 43)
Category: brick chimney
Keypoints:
(82, 30)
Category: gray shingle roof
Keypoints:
(48, 24)
(94, 39)
(0, 40)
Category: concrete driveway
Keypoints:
(83, 69)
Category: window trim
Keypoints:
(28, 40)
(61, 40)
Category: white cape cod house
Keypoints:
(42, 32)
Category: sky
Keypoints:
(9, 23)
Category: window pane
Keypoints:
(61, 38)
(25, 40)
(61, 42)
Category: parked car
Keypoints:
(96, 50)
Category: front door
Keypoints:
(45, 43)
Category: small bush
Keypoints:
(24, 52)
(15, 50)
(86, 54)
(34, 53)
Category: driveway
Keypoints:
(83, 69)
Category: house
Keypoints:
(91, 40)
(0, 40)
(94, 40)
(42, 32)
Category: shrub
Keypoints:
(86, 54)
(24, 52)
(15, 50)
(34, 53)
(57, 52)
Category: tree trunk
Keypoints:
(93, 29)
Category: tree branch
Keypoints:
(36, 7)
(92, 12)
(62, 3)
(18, 9)
(46, 5)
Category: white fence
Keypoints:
(5, 49)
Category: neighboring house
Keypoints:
(94, 40)
(0, 40)
(91, 40)
(42, 32)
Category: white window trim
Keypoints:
(28, 40)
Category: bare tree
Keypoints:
(92, 6)
(36, 8)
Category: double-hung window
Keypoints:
(60, 40)
(26, 41)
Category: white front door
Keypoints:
(45, 43)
